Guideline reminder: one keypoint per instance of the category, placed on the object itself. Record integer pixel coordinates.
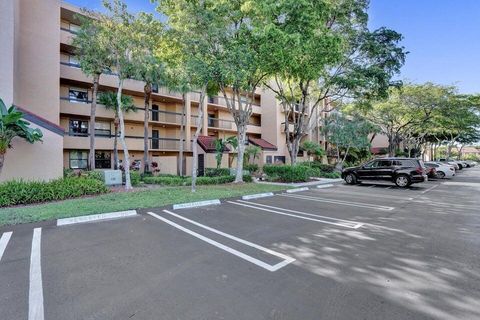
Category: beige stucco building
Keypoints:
(41, 75)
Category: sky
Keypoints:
(441, 36)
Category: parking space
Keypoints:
(344, 252)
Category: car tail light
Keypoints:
(419, 170)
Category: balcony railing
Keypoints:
(166, 116)
(219, 123)
(68, 30)
(74, 100)
(165, 143)
(218, 100)
(70, 64)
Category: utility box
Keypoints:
(112, 177)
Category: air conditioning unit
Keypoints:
(112, 177)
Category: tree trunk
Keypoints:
(147, 91)
(242, 138)
(116, 161)
(391, 145)
(2, 161)
(93, 110)
(126, 156)
(195, 137)
(182, 135)
(293, 149)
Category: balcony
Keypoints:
(78, 107)
(101, 142)
(290, 127)
(219, 101)
(221, 124)
(165, 144)
(66, 36)
(162, 116)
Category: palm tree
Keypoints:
(109, 100)
(251, 153)
(221, 145)
(13, 125)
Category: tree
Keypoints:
(347, 133)
(409, 112)
(12, 125)
(321, 52)
(221, 145)
(91, 51)
(149, 68)
(109, 100)
(195, 29)
(126, 39)
(252, 152)
(313, 149)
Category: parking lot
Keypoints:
(343, 252)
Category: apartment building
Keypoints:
(44, 79)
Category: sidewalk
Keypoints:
(302, 184)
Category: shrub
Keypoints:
(288, 173)
(251, 167)
(25, 192)
(216, 172)
(318, 165)
(135, 178)
(184, 181)
(95, 174)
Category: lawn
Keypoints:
(123, 201)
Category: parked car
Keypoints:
(441, 170)
(471, 163)
(458, 166)
(401, 171)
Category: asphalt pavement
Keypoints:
(344, 252)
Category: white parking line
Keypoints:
(286, 259)
(341, 202)
(3, 242)
(363, 194)
(429, 189)
(35, 294)
(335, 222)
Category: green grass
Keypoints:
(125, 201)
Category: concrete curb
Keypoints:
(297, 190)
(96, 217)
(321, 186)
(195, 204)
(257, 195)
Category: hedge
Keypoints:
(251, 167)
(297, 173)
(185, 181)
(216, 172)
(26, 192)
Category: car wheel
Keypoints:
(350, 178)
(402, 181)
(440, 174)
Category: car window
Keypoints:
(384, 163)
(371, 164)
(408, 163)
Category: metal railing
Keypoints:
(165, 116)
(69, 64)
(165, 143)
(68, 30)
(75, 100)
(220, 123)
(218, 100)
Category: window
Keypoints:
(103, 160)
(384, 163)
(78, 128)
(155, 88)
(103, 129)
(211, 99)
(154, 112)
(78, 159)
(269, 160)
(279, 159)
(371, 164)
(74, 27)
(78, 95)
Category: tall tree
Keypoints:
(126, 37)
(322, 51)
(91, 51)
(195, 28)
(149, 68)
(348, 133)
(12, 125)
(109, 100)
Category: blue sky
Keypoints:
(442, 36)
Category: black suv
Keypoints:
(402, 171)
